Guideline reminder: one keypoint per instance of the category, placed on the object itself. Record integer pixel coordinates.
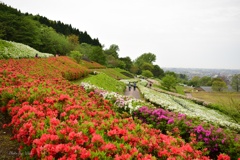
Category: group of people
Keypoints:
(130, 86)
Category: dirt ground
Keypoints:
(8, 147)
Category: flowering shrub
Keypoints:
(121, 103)
(54, 119)
(10, 49)
(217, 140)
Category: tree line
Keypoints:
(39, 32)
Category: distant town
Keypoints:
(191, 72)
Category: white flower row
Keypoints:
(187, 107)
(124, 102)
(19, 50)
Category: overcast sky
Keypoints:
(181, 33)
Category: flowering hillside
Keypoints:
(54, 119)
(9, 49)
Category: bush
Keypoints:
(147, 73)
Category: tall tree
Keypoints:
(169, 81)
(235, 83)
(218, 85)
(146, 57)
(128, 63)
(98, 55)
(205, 81)
(157, 71)
(113, 50)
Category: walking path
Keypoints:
(135, 94)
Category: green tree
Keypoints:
(157, 71)
(171, 73)
(76, 55)
(147, 73)
(218, 85)
(146, 57)
(147, 66)
(111, 61)
(205, 81)
(194, 81)
(113, 50)
(182, 78)
(73, 39)
(134, 69)
(121, 64)
(235, 82)
(169, 81)
(98, 55)
(128, 63)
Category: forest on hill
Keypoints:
(39, 32)
(55, 37)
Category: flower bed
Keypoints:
(189, 108)
(53, 119)
(216, 139)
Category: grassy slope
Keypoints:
(115, 73)
(104, 81)
(225, 101)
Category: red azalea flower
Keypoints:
(97, 138)
(223, 157)
(63, 97)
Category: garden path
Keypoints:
(136, 94)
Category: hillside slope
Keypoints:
(10, 49)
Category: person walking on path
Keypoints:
(129, 86)
(134, 86)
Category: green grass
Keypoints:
(180, 90)
(116, 73)
(104, 81)
(227, 102)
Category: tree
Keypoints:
(113, 50)
(134, 69)
(205, 81)
(169, 81)
(235, 82)
(194, 81)
(171, 73)
(147, 66)
(146, 57)
(111, 61)
(218, 85)
(73, 39)
(182, 78)
(98, 55)
(128, 63)
(76, 55)
(147, 73)
(157, 71)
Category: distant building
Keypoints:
(209, 88)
